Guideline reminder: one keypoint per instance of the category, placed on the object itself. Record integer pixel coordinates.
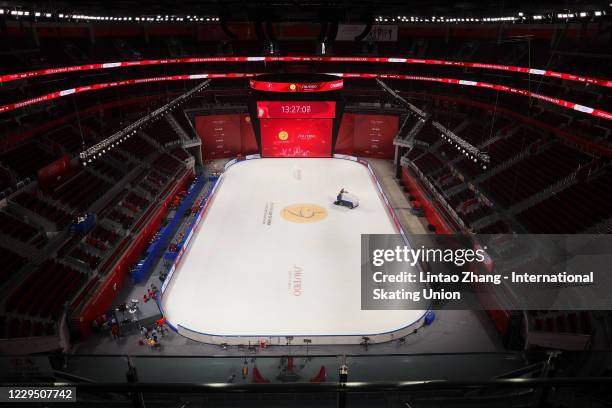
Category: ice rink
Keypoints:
(273, 257)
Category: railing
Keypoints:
(503, 166)
(527, 392)
(484, 221)
(177, 128)
(439, 197)
(546, 192)
(192, 143)
(603, 227)
(442, 379)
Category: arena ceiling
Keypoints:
(315, 10)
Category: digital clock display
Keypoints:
(301, 110)
(295, 109)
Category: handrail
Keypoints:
(343, 387)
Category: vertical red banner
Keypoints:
(249, 143)
(374, 135)
(54, 170)
(344, 141)
(220, 135)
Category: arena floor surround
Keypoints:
(273, 258)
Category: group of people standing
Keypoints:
(151, 335)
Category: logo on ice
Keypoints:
(303, 213)
(295, 281)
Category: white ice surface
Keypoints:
(234, 280)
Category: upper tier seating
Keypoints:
(27, 159)
(44, 292)
(136, 146)
(102, 234)
(534, 173)
(428, 163)
(180, 154)
(183, 122)
(16, 228)
(81, 191)
(30, 201)
(575, 209)
(68, 138)
(162, 132)
(167, 164)
(11, 263)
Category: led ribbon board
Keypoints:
(395, 60)
(288, 87)
(452, 81)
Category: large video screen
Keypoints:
(292, 109)
(296, 137)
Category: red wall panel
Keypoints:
(374, 135)
(220, 135)
(344, 141)
(226, 135)
(54, 170)
(431, 213)
(249, 143)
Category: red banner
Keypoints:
(249, 143)
(344, 141)
(54, 170)
(296, 137)
(372, 135)
(226, 135)
(220, 135)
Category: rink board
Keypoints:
(272, 258)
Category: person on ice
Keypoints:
(345, 199)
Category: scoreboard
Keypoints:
(296, 128)
(295, 119)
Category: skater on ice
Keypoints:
(339, 196)
(344, 198)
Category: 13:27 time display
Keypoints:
(295, 108)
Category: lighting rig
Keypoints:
(470, 151)
(20, 13)
(519, 17)
(110, 142)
